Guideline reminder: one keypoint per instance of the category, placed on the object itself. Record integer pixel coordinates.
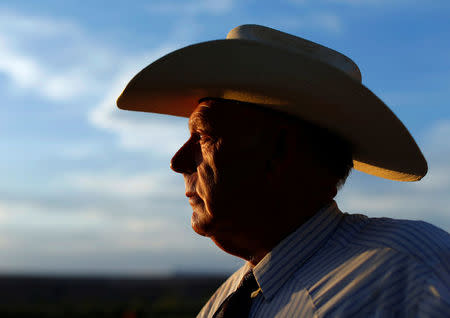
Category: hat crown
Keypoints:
(262, 34)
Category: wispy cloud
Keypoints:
(50, 57)
(139, 131)
(437, 137)
(36, 239)
(127, 185)
(323, 20)
(356, 2)
(27, 73)
(314, 20)
(359, 2)
(195, 7)
(83, 68)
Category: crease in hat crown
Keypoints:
(289, 42)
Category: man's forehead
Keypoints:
(225, 115)
(221, 110)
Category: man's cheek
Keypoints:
(205, 182)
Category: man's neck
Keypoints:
(254, 243)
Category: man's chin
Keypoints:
(199, 224)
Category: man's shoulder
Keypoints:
(423, 241)
(383, 265)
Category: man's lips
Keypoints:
(193, 198)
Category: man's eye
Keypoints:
(202, 137)
(196, 137)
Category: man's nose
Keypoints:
(184, 159)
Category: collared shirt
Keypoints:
(342, 265)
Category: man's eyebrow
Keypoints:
(193, 125)
(195, 122)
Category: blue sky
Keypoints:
(86, 188)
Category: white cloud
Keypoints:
(25, 214)
(50, 57)
(360, 2)
(80, 68)
(126, 185)
(28, 73)
(385, 2)
(194, 7)
(96, 221)
(38, 238)
(357, 2)
(318, 20)
(327, 21)
(79, 150)
(139, 131)
(438, 177)
(42, 27)
(437, 138)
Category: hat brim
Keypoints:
(289, 82)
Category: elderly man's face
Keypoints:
(223, 167)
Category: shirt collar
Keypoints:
(293, 251)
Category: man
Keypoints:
(277, 122)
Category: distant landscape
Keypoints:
(39, 296)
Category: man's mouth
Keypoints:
(193, 198)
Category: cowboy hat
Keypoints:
(277, 70)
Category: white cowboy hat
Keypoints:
(277, 70)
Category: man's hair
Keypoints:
(329, 149)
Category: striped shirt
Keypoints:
(343, 265)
